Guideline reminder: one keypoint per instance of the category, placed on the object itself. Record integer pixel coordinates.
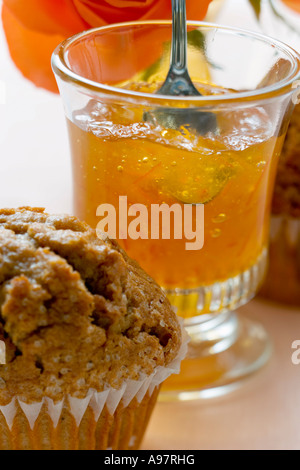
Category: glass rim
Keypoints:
(61, 69)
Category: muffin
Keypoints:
(86, 337)
(282, 283)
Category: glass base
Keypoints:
(222, 353)
(225, 347)
(197, 303)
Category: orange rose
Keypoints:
(33, 28)
(294, 4)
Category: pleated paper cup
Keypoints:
(111, 419)
(282, 283)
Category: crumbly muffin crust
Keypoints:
(75, 312)
(286, 198)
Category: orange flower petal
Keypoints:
(114, 11)
(128, 3)
(30, 51)
(33, 28)
(97, 14)
(47, 16)
(125, 62)
(196, 11)
(88, 14)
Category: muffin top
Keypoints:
(286, 198)
(76, 311)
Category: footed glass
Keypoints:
(184, 183)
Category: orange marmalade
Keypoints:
(231, 172)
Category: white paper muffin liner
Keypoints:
(97, 400)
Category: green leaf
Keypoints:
(196, 38)
(151, 70)
(256, 5)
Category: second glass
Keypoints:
(204, 165)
